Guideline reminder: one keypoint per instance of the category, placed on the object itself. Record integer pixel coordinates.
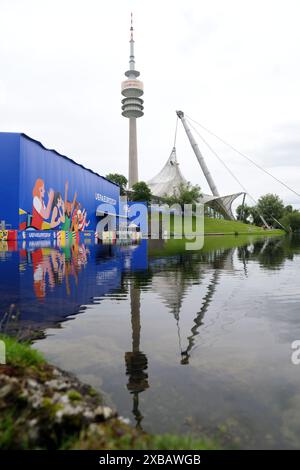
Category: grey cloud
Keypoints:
(285, 153)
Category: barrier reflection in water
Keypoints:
(44, 284)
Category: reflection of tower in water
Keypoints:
(136, 361)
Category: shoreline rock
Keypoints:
(47, 406)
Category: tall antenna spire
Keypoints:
(132, 72)
(131, 27)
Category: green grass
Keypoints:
(116, 435)
(74, 395)
(21, 354)
(233, 226)
(7, 429)
(220, 226)
(173, 442)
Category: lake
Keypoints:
(181, 342)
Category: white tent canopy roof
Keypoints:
(167, 181)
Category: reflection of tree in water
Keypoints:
(10, 319)
(136, 361)
(10, 325)
(294, 243)
(271, 253)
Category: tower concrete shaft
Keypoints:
(132, 108)
(133, 175)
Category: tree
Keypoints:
(141, 192)
(291, 220)
(185, 193)
(243, 212)
(120, 180)
(288, 209)
(270, 207)
(254, 216)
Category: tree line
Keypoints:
(273, 210)
(269, 208)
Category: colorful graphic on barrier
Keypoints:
(3, 235)
(57, 213)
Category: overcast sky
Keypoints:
(231, 65)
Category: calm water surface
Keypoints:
(188, 343)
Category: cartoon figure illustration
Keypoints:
(40, 211)
(64, 215)
(69, 207)
(58, 211)
(75, 218)
(79, 222)
(82, 223)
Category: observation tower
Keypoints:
(132, 107)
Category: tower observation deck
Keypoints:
(132, 107)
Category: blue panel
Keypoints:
(139, 256)
(10, 281)
(9, 186)
(56, 193)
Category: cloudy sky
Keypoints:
(232, 66)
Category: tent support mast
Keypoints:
(198, 154)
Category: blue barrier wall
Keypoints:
(43, 190)
(74, 190)
(9, 185)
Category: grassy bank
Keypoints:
(43, 407)
(227, 227)
(216, 226)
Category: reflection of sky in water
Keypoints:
(197, 342)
